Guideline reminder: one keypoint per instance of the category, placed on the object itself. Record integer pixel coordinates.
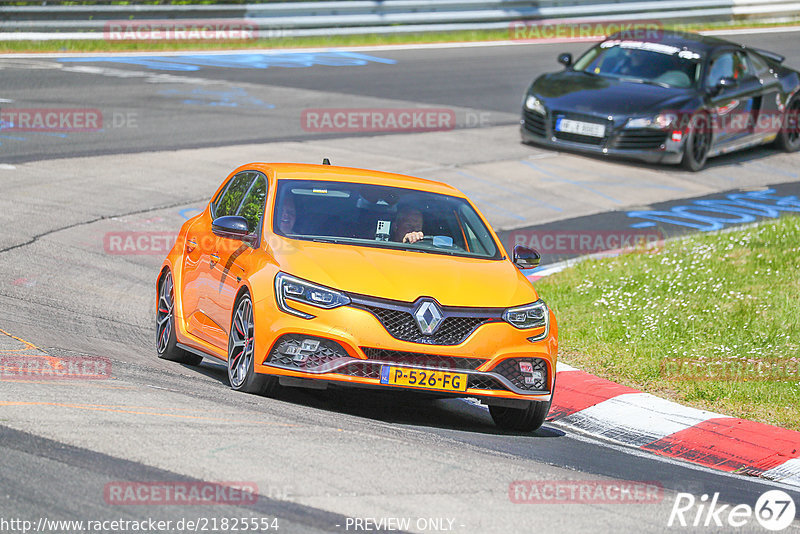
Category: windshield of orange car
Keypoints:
(642, 62)
(380, 216)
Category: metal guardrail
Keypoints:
(297, 19)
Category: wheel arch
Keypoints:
(244, 288)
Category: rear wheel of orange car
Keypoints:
(241, 373)
(521, 419)
(166, 342)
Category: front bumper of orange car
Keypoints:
(373, 342)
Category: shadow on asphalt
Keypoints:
(726, 160)
(395, 407)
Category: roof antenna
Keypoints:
(326, 161)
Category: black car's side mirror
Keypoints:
(725, 83)
(230, 226)
(526, 258)
(565, 59)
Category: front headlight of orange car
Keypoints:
(288, 287)
(534, 315)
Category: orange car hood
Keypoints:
(406, 276)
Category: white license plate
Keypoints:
(580, 127)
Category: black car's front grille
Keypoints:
(512, 369)
(640, 139)
(424, 360)
(578, 138)
(397, 318)
(534, 122)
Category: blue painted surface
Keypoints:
(194, 62)
(188, 213)
(232, 98)
(15, 136)
(715, 214)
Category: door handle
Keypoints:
(191, 244)
(214, 259)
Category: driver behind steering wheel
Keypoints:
(407, 227)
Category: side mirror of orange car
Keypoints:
(230, 226)
(526, 258)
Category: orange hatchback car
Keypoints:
(315, 275)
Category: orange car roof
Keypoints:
(332, 173)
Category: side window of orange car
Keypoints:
(231, 197)
(253, 205)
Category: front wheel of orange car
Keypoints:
(166, 342)
(241, 374)
(525, 419)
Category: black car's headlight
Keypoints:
(534, 104)
(288, 287)
(662, 121)
(535, 315)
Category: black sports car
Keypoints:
(675, 97)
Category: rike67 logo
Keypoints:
(774, 510)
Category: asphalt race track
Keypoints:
(171, 128)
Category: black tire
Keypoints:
(166, 343)
(789, 137)
(697, 144)
(241, 373)
(521, 419)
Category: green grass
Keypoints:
(100, 45)
(722, 303)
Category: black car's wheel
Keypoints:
(521, 419)
(241, 374)
(789, 137)
(697, 144)
(166, 343)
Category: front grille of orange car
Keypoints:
(424, 360)
(397, 318)
(510, 369)
(373, 370)
(326, 356)
(330, 357)
(484, 382)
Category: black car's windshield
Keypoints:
(380, 216)
(642, 62)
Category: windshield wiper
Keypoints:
(643, 80)
(321, 239)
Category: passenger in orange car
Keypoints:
(408, 226)
(288, 215)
